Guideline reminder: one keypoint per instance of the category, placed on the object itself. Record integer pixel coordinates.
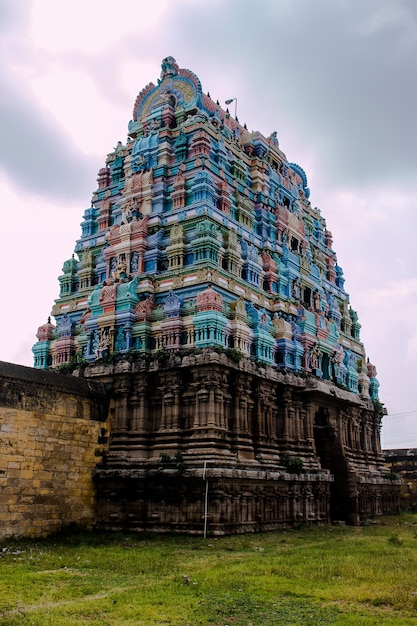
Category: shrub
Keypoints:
(395, 540)
(392, 476)
(77, 361)
(293, 464)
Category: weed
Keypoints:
(77, 361)
(293, 464)
(392, 476)
(395, 540)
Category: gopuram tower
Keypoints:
(205, 293)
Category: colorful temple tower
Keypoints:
(206, 293)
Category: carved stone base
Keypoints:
(223, 502)
(277, 448)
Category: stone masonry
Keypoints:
(53, 431)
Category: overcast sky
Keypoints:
(335, 78)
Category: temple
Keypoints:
(205, 293)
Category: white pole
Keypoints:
(205, 500)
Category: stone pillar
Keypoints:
(285, 415)
(121, 405)
(343, 425)
(140, 423)
(297, 433)
(200, 414)
(308, 422)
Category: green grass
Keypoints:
(309, 576)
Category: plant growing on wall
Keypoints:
(293, 464)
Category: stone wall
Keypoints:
(403, 462)
(196, 441)
(247, 424)
(53, 430)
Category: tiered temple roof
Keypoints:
(200, 234)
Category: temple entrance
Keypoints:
(330, 453)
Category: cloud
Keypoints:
(35, 153)
(12, 15)
(394, 291)
(339, 73)
(47, 232)
(93, 26)
(338, 89)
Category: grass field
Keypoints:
(308, 576)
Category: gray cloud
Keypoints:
(35, 153)
(12, 15)
(338, 77)
(340, 73)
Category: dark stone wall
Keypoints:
(403, 462)
(250, 426)
(31, 389)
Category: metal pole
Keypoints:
(229, 101)
(205, 500)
